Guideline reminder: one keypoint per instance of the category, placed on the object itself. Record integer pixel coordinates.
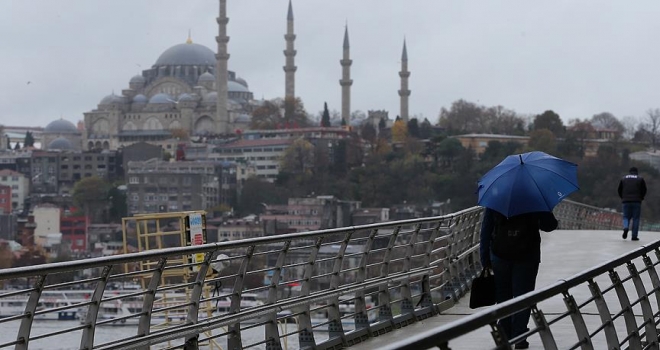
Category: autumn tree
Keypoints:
(298, 158)
(180, 134)
(266, 117)
(399, 131)
(462, 117)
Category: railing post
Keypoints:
(87, 339)
(271, 330)
(407, 307)
(384, 304)
(31, 306)
(545, 333)
(144, 325)
(234, 340)
(653, 274)
(306, 332)
(605, 316)
(361, 312)
(335, 328)
(192, 341)
(649, 322)
(628, 315)
(578, 322)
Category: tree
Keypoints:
(267, 117)
(551, 121)
(368, 132)
(399, 131)
(462, 117)
(118, 206)
(448, 149)
(382, 124)
(653, 125)
(17, 146)
(296, 115)
(608, 121)
(180, 134)
(91, 195)
(542, 140)
(29, 140)
(298, 158)
(325, 119)
(8, 143)
(257, 192)
(413, 128)
(504, 121)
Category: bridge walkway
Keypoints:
(564, 254)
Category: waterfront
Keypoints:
(71, 341)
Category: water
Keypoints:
(105, 334)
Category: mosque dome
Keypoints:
(61, 126)
(161, 98)
(243, 118)
(188, 54)
(233, 86)
(139, 98)
(211, 97)
(206, 77)
(60, 143)
(112, 98)
(137, 79)
(186, 98)
(242, 82)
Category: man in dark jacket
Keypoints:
(632, 189)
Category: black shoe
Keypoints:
(522, 345)
(625, 233)
(634, 239)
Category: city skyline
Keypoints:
(577, 59)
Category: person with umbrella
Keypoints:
(519, 195)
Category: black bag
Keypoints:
(482, 292)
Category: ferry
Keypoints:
(16, 304)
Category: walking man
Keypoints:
(632, 189)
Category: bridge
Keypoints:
(391, 285)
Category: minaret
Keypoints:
(346, 81)
(404, 74)
(290, 54)
(221, 74)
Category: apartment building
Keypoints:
(20, 187)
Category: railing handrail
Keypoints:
(25, 271)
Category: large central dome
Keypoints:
(188, 54)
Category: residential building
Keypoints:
(20, 187)
(235, 229)
(74, 233)
(47, 219)
(159, 186)
(364, 216)
(264, 154)
(8, 226)
(306, 214)
(479, 142)
(5, 199)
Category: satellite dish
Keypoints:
(220, 263)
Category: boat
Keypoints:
(16, 304)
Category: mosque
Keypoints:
(189, 90)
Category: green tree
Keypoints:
(17, 146)
(413, 128)
(542, 140)
(448, 149)
(118, 204)
(382, 124)
(325, 119)
(551, 121)
(91, 195)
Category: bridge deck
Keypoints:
(564, 253)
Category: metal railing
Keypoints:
(316, 290)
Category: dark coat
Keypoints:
(632, 188)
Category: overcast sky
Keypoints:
(577, 58)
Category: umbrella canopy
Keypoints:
(526, 183)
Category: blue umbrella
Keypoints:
(528, 182)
